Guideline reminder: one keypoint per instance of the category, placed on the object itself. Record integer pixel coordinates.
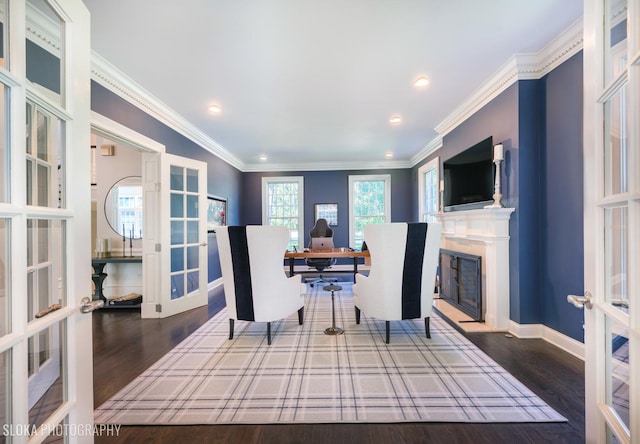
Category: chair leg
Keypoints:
(427, 328)
(357, 315)
(301, 316)
(268, 333)
(387, 326)
(230, 328)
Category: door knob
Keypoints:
(580, 301)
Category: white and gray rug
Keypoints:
(306, 376)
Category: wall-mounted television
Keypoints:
(469, 177)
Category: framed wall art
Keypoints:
(216, 213)
(328, 211)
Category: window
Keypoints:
(369, 203)
(428, 187)
(283, 205)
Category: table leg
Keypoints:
(97, 281)
(291, 260)
(98, 278)
(355, 268)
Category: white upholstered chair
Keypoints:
(255, 285)
(400, 284)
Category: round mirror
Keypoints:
(123, 207)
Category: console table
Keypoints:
(98, 276)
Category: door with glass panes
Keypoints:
(45, 340)
(612, 220)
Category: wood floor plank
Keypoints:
(125, 346)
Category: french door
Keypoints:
(612, 220)
(175, 253)
(46, 381)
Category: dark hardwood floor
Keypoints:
(125, 345)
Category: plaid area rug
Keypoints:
(306, 376)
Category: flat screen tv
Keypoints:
(469, 177)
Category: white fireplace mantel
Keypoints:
(484, 232)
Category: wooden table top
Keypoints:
(334, 252)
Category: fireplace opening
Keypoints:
(460, 282)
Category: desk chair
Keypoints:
(321, 229)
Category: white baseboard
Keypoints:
(539, 331)
(215, 284)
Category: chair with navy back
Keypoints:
(256, 287)
(400, 284)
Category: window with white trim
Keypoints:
(369, 203)
(283, 205)
(428, 189)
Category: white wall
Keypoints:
(122, 278)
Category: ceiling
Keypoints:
(315, 82)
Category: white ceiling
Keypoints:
(306, 82)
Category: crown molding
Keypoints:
(327, 166)
(431, 147)
(118, 83)
(518, 67)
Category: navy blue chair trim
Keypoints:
(241, 273)
(412, 273)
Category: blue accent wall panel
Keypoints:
(223, 180)
(562, 232)
(530, 176)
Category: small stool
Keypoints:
(333, 330)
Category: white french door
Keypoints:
(612, 220)
(46, 379)
(181, 233)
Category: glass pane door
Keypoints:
(185, 223)
(612, 220)
(45, 342)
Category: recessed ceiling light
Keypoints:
(395, 119)
(421, 81)
(388, 154)
(215, 109)
(263, 157)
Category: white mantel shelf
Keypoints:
(484, 232)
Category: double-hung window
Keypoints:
(369, 203)
(283, 205)
(428, 189)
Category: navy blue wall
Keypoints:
(562, 244)
(539, 122)
(529, 175)
(329, 187)
(223, 180)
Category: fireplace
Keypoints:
(461, 282)
(484, 232)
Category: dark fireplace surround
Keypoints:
(460, 282)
